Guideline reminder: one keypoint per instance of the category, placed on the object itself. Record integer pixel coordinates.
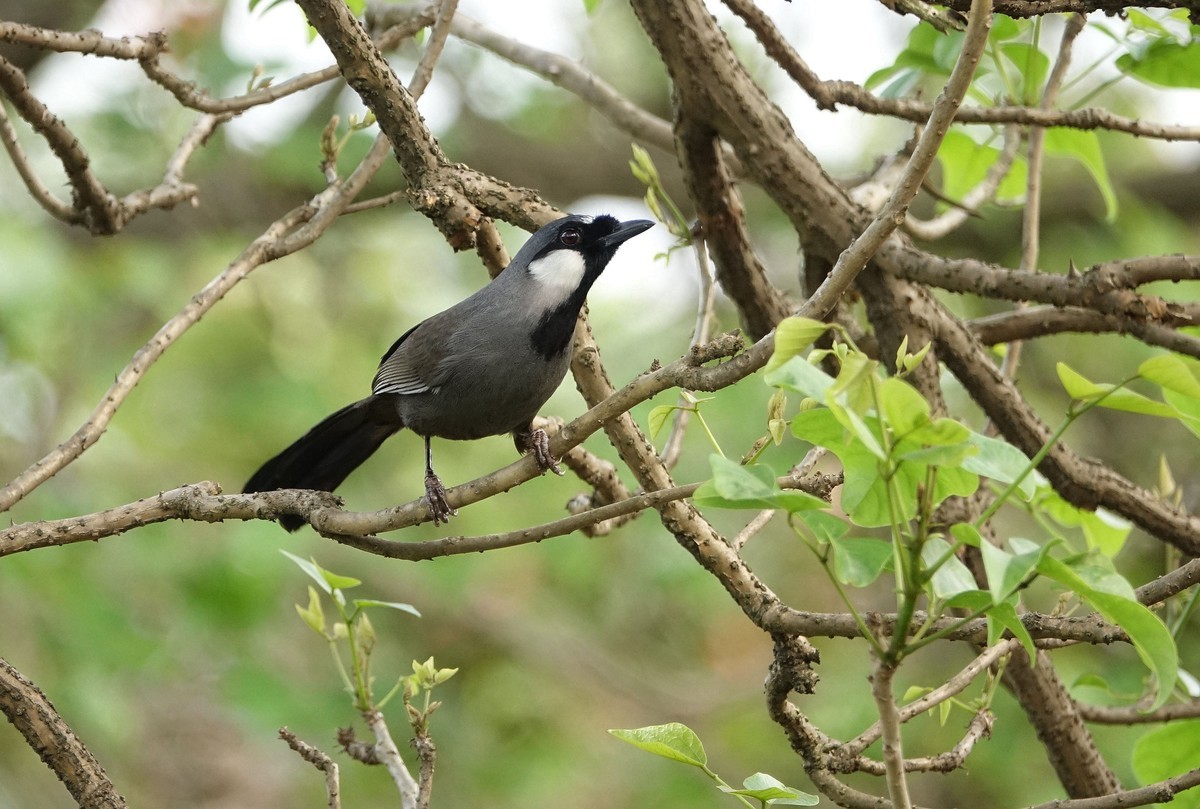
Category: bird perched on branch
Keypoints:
(485, 366)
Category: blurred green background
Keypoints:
(175, 650)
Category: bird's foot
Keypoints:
(539, 445)
(435, 497)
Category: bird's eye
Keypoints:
(570, 237)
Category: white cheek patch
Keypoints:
(559, 272)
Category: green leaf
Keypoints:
(325, 579)
(1141, 21)
(863, 495)
(1111, 396)
(1084, 147)
(859, 428)
(770, 790)
(672, 740)
(1003, 616)
(314, 613)
(1006, 571)
(942, 432)
(923, 40)
(737, 482)
(953, 481)
(852, 386)
(940, 456)
(1103, 531)
(802, 376)
(309, 568)
(1164, 62)
(339, 582)
(1189, 409)
(1032, 65)
(967, 534)
(952, 577)
(1152, 640)
(904, 80)
(1078, 386)
(1174, 373)
(825, 527)
(658, 418)
(360, 603)
(904, 410)
(1005, 28)
(970, 600)
(858, 562)
(1167, 751)
(867, 503)
(1000, 461)
(754, 486)
(793, 335)
(819, 426)
(966, 163)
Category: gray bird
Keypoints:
(485, 366)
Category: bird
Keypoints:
(483, 367)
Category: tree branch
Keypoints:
(44, 730)
(283, 237)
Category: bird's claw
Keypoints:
(539, 445)
(435, 497)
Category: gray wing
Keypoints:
(404, 369)
(456, 342)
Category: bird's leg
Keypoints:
(537, 443)
(435, 492)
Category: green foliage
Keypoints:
(901, 462)
(1167, 751)
(736, 486)
(1112, 596)
(354, 628)
(425, 677)
(678, 742)
(300, 336)
(656, 197)
(965, 162)
(661, 414)
(1162, 52)
(1016, 70)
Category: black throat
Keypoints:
(552, 335)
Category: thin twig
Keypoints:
(1137, 714)
(37, 189)
(1159, 792)
(705, 304)
(319, 759)
(979, 728)
(1031, 216)
(433, 48)
(93, 204)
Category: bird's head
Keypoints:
(566, 256)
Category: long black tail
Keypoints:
(324, 456)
